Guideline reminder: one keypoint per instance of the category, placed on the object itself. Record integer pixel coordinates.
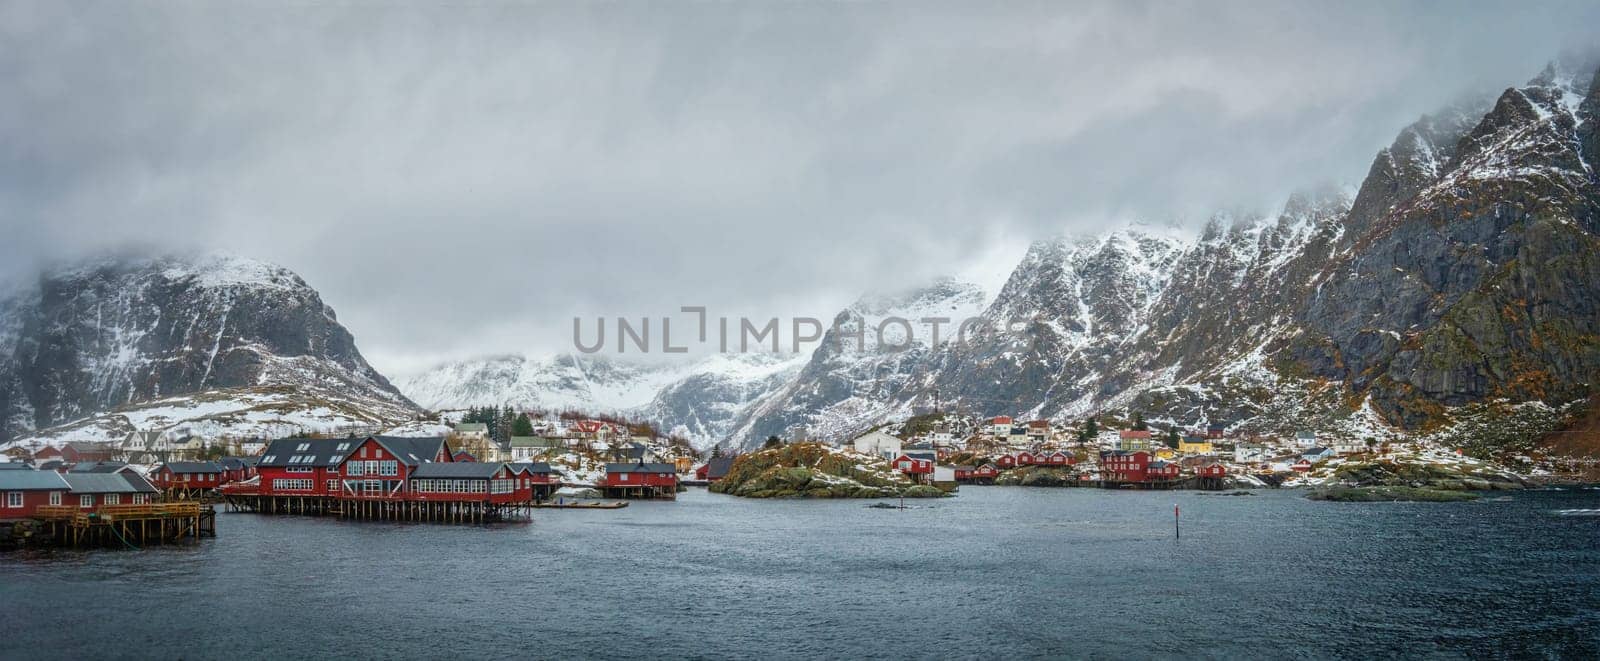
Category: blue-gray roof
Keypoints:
(532, 467)
(31, 480)
(194, 467)
(105, 483)
(99, 467)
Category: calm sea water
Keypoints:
(996, 572)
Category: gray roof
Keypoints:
(31, 480)
(465, 470)
(321, 452)
(531, 467)
(534, 442)
(104, 483)
(237, 463)
(640, 468)
(99, 467)
(14, 466)
(324, 452)
(194, 467)
(718, 467)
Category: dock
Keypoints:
(133, 526)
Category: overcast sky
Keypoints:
(464, 180)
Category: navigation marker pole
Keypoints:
(1176, 533)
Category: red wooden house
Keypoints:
(81, 451)
(46, 453)
(535, 479)
(1026, 458)
(461, 482)
(980, 474)
(1304, 465)
(1059, 458)
(462, 456)
(1162, 470)
(913, 464)
(24, 491)
(1124, 466)
(238, 469)
(1212, 470)
(94, 490)
(188, 476)
(640, 479)
(1006, 461)
(378, 466)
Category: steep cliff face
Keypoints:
(83, 340)
(1484, 283)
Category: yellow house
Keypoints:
(1194, 445)
(1165, 452)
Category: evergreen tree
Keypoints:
(1172, 438)
(1138, 422)
(1091, 429)
(772, 442)
(523, 426)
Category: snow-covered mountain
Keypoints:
(694, 398)
(1466, 268)
(115, 332)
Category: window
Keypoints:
(86, 500)
(389, 468)
(333, 485)
(14, 498)
(342, 447)
(138, 499)
(113, 499)
(353, 467)
(269, 458)
(55, 498)
(302, 447)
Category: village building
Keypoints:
(1305, 439)
(877, 444)
(472, 430)
(238, 469)
(918, 466)
(1194, 445)
(94, 490)
(1000, 425)
(537, 478)
(462, 456)
(187, 479)
(714, 470)
(1349, 445)
(526, 448)
(1216, 430)
(1133, 440)
(640, 480)
(77, 452)
(23, 492)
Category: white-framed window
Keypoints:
(55, 498)
(113, 499)
(269, 458)
(86, 500)
(354, 467)
(138, 499)
(14, 498)
(333, 485)
(302, 447)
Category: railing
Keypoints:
(107, 512)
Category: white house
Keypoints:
(1305, 439)
(1349, 446)
(1245, 453)
(877, 444)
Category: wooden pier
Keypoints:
(133, 526)
(381, 508)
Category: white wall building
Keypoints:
(877, 444)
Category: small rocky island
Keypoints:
(813, 470)
(1391, 481)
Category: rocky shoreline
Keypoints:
(812, 470)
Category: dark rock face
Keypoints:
(90, 338)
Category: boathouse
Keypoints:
(640, 480)
(916, 465)
(238, 469)
(535, 479)
(23, 492)
(187, 479)
(87, 491)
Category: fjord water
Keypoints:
(996, 572)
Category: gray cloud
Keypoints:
(464, 179)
